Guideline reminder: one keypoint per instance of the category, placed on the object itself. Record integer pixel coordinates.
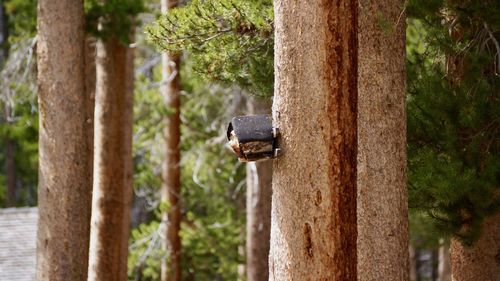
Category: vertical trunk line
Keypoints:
(171, 174)
(112, 162)
(10, 162)
(313, 229)
(64, 186)
(342, 61)
(258, 208)
(10, 165)
(171, 268)
(382, 210)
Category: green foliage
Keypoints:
(23, 132)
(22, 18)
(453, 114)
(145, 254)
(230, 41)
(112, 17)
(19, 125)
(212, 181)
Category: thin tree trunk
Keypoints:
(313, 229)
(112, 162)
(258, 207)
(90, 84)
(10, 163)
(171, 186)
(4, 35)
(444, 266)
(413, 264)
(64, 190)
(482, 260)
(383, 237)
(128, 151)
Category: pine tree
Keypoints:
(18, 116)
(381, 171)
(237, 26)
(453, 119)
(112, 175)
(64, 187)
(313, 228)
(258, 207)
(171, 174)
(454, 127)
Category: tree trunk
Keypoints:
(90, 84)
(413, 264)
(10, 162)
(444, 266)
(382, 196)
(64, 191)
(4, 35)
(10, 165)
(171, 186)
(112, 162)
(313, 229)
(129, 155)
(482, 260)
(258, 207)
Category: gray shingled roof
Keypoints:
(18, 244)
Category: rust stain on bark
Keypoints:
(308, 247)
(342, 60)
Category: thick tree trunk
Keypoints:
(112, 162)
(171, 187)
(313, 230)
(444, 265)
(64, 190)
(258, 207)
(382, 196)
(482, 260)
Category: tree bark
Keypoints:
(383, 238)
(4, 35)
(444, 266)
(258, 207)
(413, 264)
(90, 85)
(10, 162)
(482, 260)
(112, 162)
(313, 229)
(10, 165)
(171, 187)
(64, 191)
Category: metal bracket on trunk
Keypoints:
(253, 138)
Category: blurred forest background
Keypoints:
(226, 53)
